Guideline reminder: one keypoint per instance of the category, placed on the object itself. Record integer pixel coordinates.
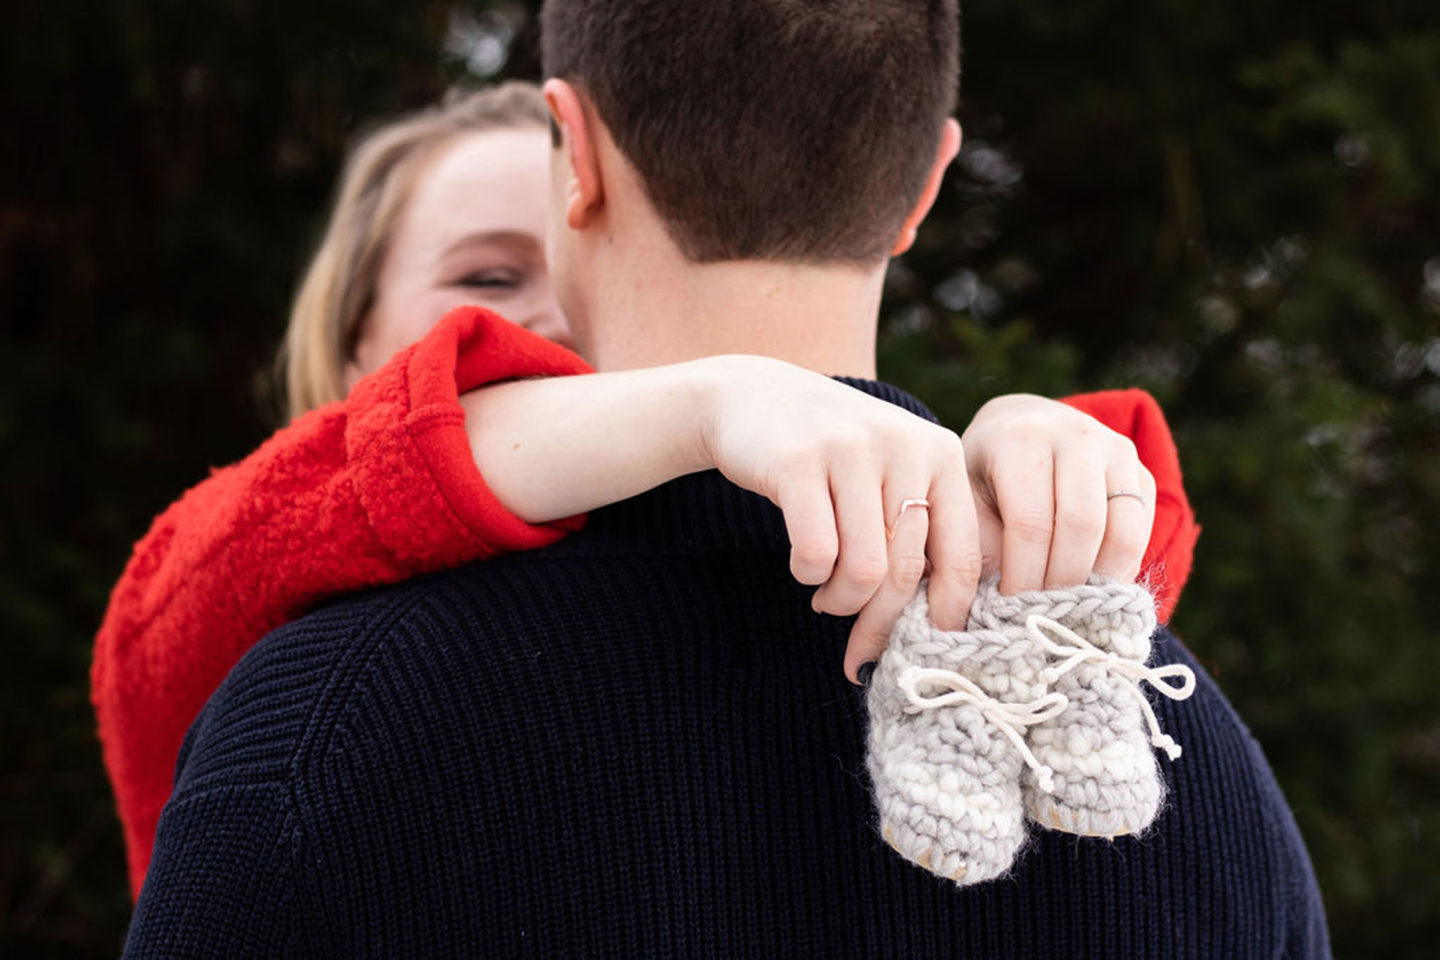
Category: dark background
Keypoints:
(1233, 204)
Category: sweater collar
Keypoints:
(704, 512)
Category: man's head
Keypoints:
(792, 131)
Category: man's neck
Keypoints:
(667, 310)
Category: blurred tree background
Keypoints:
(1231, 204)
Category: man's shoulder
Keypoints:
(253, 724)
(1225, 800)
(278, 707)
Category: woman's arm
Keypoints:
(623, 433)
(371, 490)
(836, 461)
(1039, 470)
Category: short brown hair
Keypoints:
(798, 130)
(339, 287)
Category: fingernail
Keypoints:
(865, 672)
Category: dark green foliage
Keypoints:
(1233, 205)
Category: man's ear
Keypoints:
(949, 147)
(584, 192)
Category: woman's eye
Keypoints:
(491, 280)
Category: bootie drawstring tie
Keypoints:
(1011, 719)
(1081, 651)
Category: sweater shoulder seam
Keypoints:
(338, 691)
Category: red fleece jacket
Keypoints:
(374, 489)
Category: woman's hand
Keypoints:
(1054, 494)
(840, 464)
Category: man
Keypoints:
(635, 743)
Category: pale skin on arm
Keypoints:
(555, 448)
(828, 455)
(838, 463)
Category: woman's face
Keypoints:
(472, 232)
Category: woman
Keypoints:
(395, 408)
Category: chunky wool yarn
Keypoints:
(1035, 707)
(948, 715)
(1102, 777)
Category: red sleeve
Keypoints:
(1172, 540)
(374, 489)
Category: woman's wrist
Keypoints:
(687, 400)
(721, 388)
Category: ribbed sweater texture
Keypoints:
(638, 742)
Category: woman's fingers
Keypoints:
(906, 560)
(1024, 491)
(803, 495)
(1080, 517)
(930, 510)
(1129, 520)
(863, 559)
(954, 547)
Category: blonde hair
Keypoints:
(340, 285)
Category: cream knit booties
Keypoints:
(948, 715)
(1105, 782)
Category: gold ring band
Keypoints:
(919, 502)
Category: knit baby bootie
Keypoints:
(948, 714)
(1106, 781)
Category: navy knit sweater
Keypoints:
(639, 743)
